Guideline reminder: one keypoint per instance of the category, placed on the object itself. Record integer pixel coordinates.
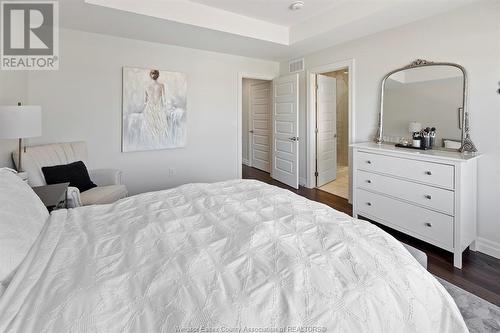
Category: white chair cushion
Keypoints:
(103, 194)
(37, 157)
(22, 217)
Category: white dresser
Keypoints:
(430, 195)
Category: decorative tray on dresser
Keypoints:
(430, 195)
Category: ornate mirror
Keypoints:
(425, 100)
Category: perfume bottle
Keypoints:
(432, 136)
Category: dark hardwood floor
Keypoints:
(480, 273)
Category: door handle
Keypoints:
(294, 138)
(250, 131)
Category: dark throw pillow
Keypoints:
(75, 173)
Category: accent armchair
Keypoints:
(109, 186)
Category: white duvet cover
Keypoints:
(237, 256)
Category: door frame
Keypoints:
(311, 115)
(239, 140)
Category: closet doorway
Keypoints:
(256, 123)
(268, 125)
(332, 137)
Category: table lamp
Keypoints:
(19, 122)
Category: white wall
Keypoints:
(82, 101)
(469, 36)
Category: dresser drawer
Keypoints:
(433, 227)
(428, 196)
(426, 172)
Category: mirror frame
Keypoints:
(467, 144)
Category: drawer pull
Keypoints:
(429, 173)
(369, 203)
(427, 196)
(369, 162)
(369, 181)
(428, 224)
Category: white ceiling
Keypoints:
(273, 11)
(255, 28)
(189, 12)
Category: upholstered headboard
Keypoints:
(37, 157)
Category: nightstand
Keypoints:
(53, 196)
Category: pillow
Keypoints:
(22, 217)
(75, 174)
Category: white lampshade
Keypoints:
(24, 121)
(414, 127)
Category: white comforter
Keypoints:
(237, 254)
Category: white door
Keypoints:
(326, 125)
(260, 126)
(285, 151)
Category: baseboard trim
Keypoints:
(246, 162)
(488, 247)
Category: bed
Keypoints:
(234, 256)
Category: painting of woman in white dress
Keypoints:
(154, 109)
